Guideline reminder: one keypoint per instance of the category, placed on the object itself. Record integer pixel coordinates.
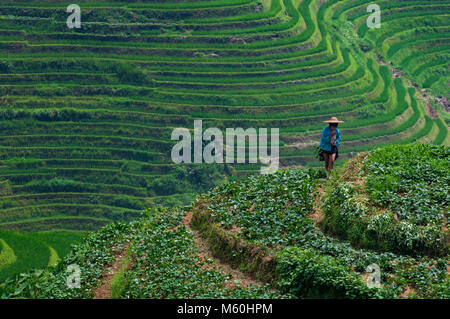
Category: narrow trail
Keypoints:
(244, 279)
(317, 215)
(104, 290)
(424, 95)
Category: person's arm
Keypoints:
(325, 140)
(326, 137)
(338, 137)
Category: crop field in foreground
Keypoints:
(293, 233)
(86, 114)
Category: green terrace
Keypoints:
(86, 114)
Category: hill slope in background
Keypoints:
(290, 234)
(86, 114)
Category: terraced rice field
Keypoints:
(86, 114)
(21, 252)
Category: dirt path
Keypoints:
(431, 111)
(317, 215)
(204, 252)
(104, 291)
(424, 94)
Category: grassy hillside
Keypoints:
(400, 205)
(295, 234)
(86, 114)
(22, 252)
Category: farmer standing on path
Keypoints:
(330, 142)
